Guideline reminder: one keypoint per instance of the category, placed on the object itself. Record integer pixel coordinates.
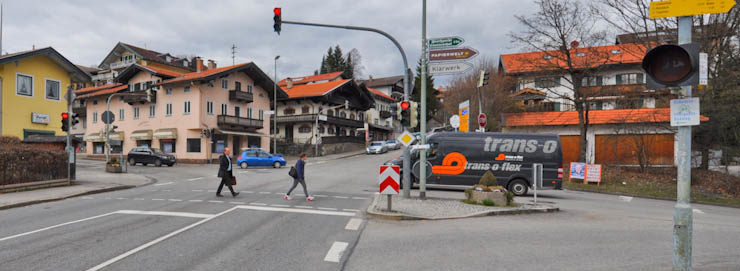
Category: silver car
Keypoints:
(393, 144)
(377, 147)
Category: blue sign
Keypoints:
(464, 111)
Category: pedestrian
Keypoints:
(225, 173)
(300, 178)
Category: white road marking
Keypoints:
(87, 198)
(359, 198)
(698, 211)
(107, 197)
(295, 210)
(625, 198)
(197, 190)
(155, 241)
(211, 191)
(195, 179)
(167, 190)
(280, 205)
(265, 192)
(195, 200)
(121, 198)
(335, 252)
(242, 172)
(216, 201)
(237, 202)
(157, 199)
(329, 209)
(258, 203)
(320, 196)
(320, 162)
(175, 200)
(182, 214)
(138, 199)
(55, 226)
(279, 193)
(351, 210)
(353, 224)
(341, 197)
(163, 183)
(248, 192)
(303, 207)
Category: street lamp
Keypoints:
(274, 102)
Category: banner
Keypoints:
(464, 112)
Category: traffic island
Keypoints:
(444, 208)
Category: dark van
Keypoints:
(460, 159)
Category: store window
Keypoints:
(193, 145)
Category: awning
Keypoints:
(170, 133)
(94, 137)
(116, 136)
(229, 132)
(142, 135)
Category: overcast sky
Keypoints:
(85, 31)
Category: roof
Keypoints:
(149, 55)
(75, 72)
(310, 79)
(532, 93)
(88, 70)
(132, 70)
(110, 90)
(315, 90)
(91, 89)
(592, 57)
(644, 115)
(203, 74)
(260, 78)
(381, 94)
(384, 81)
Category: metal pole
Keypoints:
(70, 150)
(423, 152)
(683, 218)
(389, 203)
(480, 108)
(316, 128)
(107, 129)
(274, 104)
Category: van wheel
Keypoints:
(519, 187)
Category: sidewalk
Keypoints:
(88, 182)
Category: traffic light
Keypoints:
(278, 20)
(672, 66)
(405, 117)
(75, 119)
(413, 114)
(483, 80)
(65, 121)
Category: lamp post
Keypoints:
(274, 104)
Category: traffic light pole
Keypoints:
(423, 125)
(683, 218)
(70, 149)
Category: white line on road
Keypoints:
(359, 198)
(155, 241)
(55, 226)
(182, 214)
(248, 192)
(698, 211)
(175, 200)
(237, 202)
(341, 197)
(195, 179)
(304, 207)
(197, 190)
(195, 200)
(353, 224)
(258, 203)
(265, 192)
(329, 209)
(320, 196)
(158, 199)
(351, 210)
(139, 199)
(280, 205)
(87, 198)
(216, 201)
(335, 252)
(320, 162)
(625, 198)
(121, 198)
(163, 183)
(242, 172)
(294, 210)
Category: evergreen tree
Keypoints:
(349, 68)
(335, 61)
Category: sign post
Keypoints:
(388, 181)
(536, 178)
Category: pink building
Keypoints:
(228, 104)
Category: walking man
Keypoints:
(225, 173)
(300, 178)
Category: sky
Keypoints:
(85, 31)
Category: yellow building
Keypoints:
(33, 86)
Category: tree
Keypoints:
(335, 61)
(564, 30)
(431, 92)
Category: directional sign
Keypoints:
(447, 68)
(452, 54)
(438, 43)
(677, 8)
(406, 138)
(108, 117)
(389, 179)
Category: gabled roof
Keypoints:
(315, 90)
(582, 58)
(91, 89)
(255, 73)
(110, 90)
(383, 81)
(147, 55)
(618, 116)
(311, 78)
(132, 70)
(528, 91)
(381, 94)
(88, 70)
(75, 72)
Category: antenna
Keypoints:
(1, 28)
(233, 54)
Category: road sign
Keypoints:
(464, 112)
(455, 121)
(421, 147)
(445, 42)
(452, 54)
(685, 112)
(448, 68)
(703, 69)
(406, 138)
(482, 120)
(389, 179)
(417, 168)
(108, 117)
(678, 8)
(322, 117)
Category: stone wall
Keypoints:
(324, 149)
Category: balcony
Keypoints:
(240, 96)
(139, 97)
(103, 77)
(122, 64)
(238, 123)
(80, 110)
(312, 118)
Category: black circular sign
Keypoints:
(668, 64)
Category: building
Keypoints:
(390, 86)
(380, 117)
(228, 104)
(33, 86)
(337, 105)
(124, 55)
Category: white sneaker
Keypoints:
(310, 198)
(287, 197)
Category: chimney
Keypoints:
(211, 64)
(289, 83)
(198, 64)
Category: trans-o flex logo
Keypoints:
(456, 163)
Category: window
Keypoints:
(630, 78)
(95, 117)
(331, 130)
(193, 145)
(149, 85)
(249, 112)
(321, 129)
(305, 129)
(330, 112)
(249, 88)
(522, 83)
(98, 147)
(52, 89)
(580, 54)
(592, 81)
(186, 108)
(225, 83)
(152, 109)
(168, 145)
(304, 109)
(238, 86)
(547, 82)
(120, 114)
(137, 86)
(237, 111)
(168, 109)
(209, 108)
(352, 116)
(168, 91)
(224, 109)
(262, 114)
(136, 113)
(95, 102)
(342, 114)
(24, 85)
(289, 111)
(187, 89)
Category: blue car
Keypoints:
(259, 158)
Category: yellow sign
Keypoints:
(678, 8)
(406, 138)
(464, 112)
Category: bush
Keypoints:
(21, 163)
(509, 198)
(488, 179)
(489, 202)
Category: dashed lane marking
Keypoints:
(175, 200)
(328, 209)
(335, 252)
(195, 200)
(303, 207)
(625, 198)
(197, 190)
(121, 198)
(359, 198)
(279, 205)
(353, 224)
(195, 179)
(216, 201)
(340, 197)
(237, 202)
(258, 203)
(320, 196)
(351, 210)
(265, 192)
(158, 199)
(698, 211)
(163, 183)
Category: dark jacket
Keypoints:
(223, 167)
(299, 167)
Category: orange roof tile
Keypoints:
(309, 79)
(163, 71)
(105, 91)
(199, 75)
(90, 89)
(314, 90)
(381, 94)
(644, 115)
(592, 57)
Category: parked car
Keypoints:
(146, 155)
(377, 147)
(393, 144)
(259, 158)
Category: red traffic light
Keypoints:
(65, 115)
(405, 105)
(277, 11)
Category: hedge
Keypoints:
(21, 163)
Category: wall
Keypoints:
(17, 109)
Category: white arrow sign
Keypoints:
(449, 67)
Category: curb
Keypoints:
(400, 216)
(650, 197)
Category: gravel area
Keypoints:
(434, 208)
